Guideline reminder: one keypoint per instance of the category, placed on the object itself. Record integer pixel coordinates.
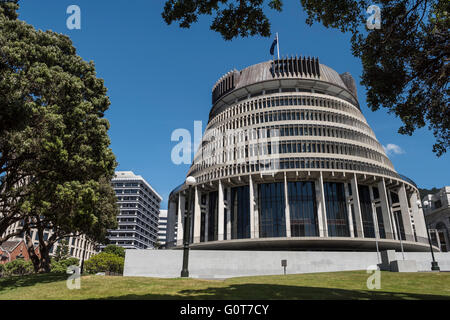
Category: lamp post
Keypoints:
(190, 181)
(434, 263)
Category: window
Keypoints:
(302, 209)
(272, 222)
(366, 211)
(336, 208)
(240, 212)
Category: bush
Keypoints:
(118, 251)
(62, 265)
(2, 269)
(18, 267)
(104, 262)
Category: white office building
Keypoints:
(139, 207)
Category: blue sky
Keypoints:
(159, 79)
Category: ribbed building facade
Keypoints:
(288, 161)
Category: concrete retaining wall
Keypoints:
(226, 264)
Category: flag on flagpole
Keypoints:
(272, 48)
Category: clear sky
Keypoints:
(159, 79)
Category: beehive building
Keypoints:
(288, 161)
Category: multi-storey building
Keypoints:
(288, 161)
(139, 207)
(162, 228)
(437, 216)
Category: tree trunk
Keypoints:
(44, 266)
(30, 248)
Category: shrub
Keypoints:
(118, 251)
(18, 267)
(2, 269)
(62, 265)
(104, 262)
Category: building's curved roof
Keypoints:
(289, 68)
(262, 72)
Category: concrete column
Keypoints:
(321, 208)
(406, 216)
(197, 215)
(256, 209)
(349, 210)
(384, 202)
(220, 215)
(181, 214)
(228, 225)
(357, 206)
(252, 208)
(374, 214)
(419, 219)
(207, 218)
(287, 211)
(393, 220)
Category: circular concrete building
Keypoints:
(288, 161)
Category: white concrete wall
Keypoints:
(225, 264)
(423, 259)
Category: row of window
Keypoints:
(151, 203)
(292, 115)
(279, 101)
(291, 163)
(139, 198)
(141, 219)
(214, 139)
(289, 147)
(148, 194)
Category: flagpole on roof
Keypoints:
(278, 47)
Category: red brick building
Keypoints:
(12, 250)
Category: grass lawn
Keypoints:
(336, 285)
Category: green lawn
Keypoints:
(338, 285)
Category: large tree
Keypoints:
(55, 161)
(405, 63)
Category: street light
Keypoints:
(190, 181)
(434, 263)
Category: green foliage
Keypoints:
(104, 262)
(18, 267)
(53, 135)
(62, 265)
(2, 269)
(231, 20)
(118, 251)
(425, 192)
(62, 251)
(405, 63)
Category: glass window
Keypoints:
(272, 222)
(213, 213)
(399, 224)
(336, 207)
(302, 209)
(366, 211)
(240, 212)
(380, 223)
(376, 193)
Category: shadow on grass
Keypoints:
(14, 282)
(280, 292)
